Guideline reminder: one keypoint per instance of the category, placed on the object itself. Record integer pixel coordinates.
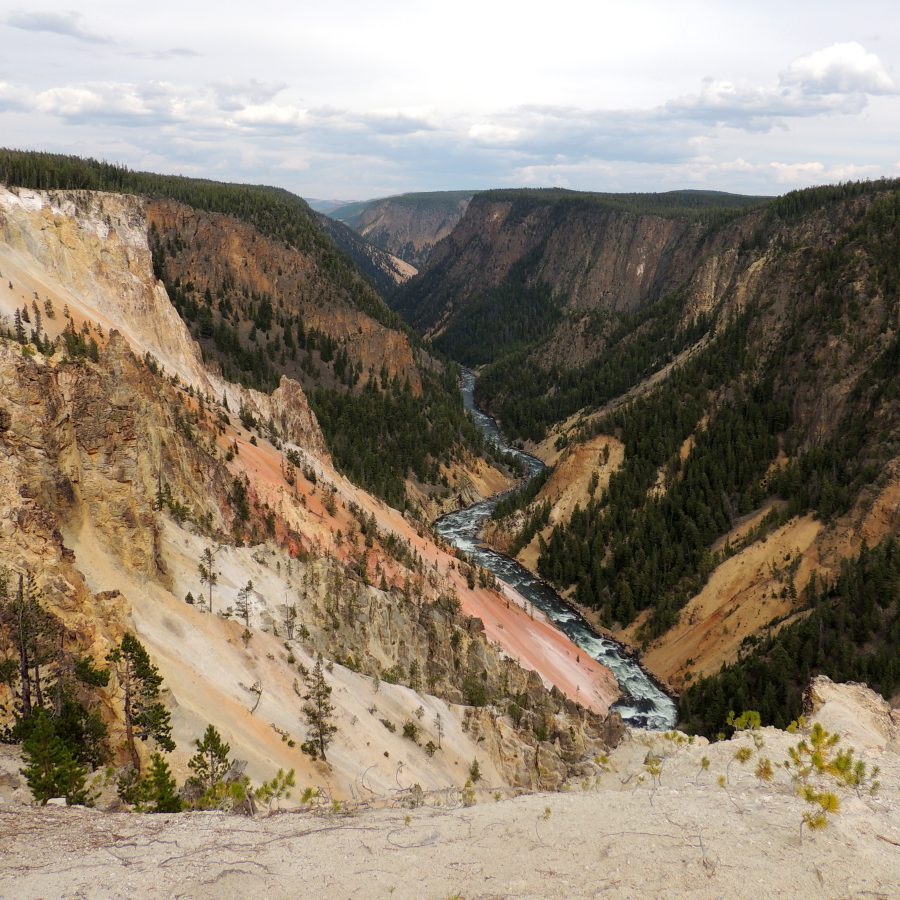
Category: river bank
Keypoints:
(644, 704)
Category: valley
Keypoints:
(158, 465)
(643, 704)
(660, 337)
(448, 533)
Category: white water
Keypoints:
(643, 703)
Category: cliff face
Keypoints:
(595, 257)
(87, 253)
(86, 448)
(240, 269)
(89, 250)
(121, 463)
(618, 303)
(408, 226)
(597, 264)
(383, 269)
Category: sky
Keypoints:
(350, 100)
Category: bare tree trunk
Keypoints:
(24, 668)
(38, 694)
(129, 725)
(60, 666)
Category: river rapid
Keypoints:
(643, 704)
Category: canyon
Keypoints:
(195, 378)
(89, 446)
(621, 293)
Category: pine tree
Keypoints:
(145, 715)
(161, 789)
(290, 620)
(32, 630)
(242, 605)
(210, 764)
(51, 771)
(19, 327)
(207, 570)
(318, 709)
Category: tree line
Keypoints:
(848, 629)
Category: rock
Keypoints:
(56, 801)
(854, 711)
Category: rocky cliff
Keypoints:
(383, 269)
(253, 280)
(593, 312)
(123, 459)
(409, 225)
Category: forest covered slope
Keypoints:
(745, 354)
(266, 293)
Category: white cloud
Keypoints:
(237, 96)
(68, 24)
(271, 115)
(83, 102)
(13, 96)
(845, 68)
(348, 119)
(491, 133)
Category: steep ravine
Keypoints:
(643, 704)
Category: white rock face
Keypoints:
(92, 248)
(89, 250)
(861, 717)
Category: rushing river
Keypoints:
(643, 704)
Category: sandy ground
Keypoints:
(742, 596)
(621, 835)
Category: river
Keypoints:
(643, 704)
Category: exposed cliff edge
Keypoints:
(624, 833)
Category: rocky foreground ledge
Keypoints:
(657, 823)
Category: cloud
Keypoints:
(491, 133)
(759, 108)
(819, 173)
(235, 96)
(726, 134)
(13, 96)
(64, 23)
(836, 80)
(171, 53)
(271, 115)
(846, 68)
(95, 101)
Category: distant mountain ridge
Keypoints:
(324, 206)
(407, 225)
(383, 269)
